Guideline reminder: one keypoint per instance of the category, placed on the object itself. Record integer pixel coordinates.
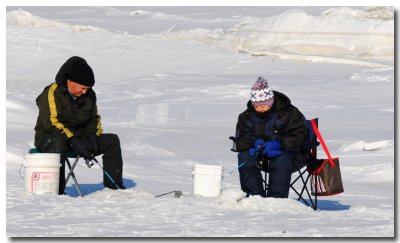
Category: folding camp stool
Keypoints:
(70, 154)
(71, 173)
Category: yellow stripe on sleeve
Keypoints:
(99, 128)
(53, 112)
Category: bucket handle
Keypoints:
(19, 171)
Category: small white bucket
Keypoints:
(42, 173)
(207, 180)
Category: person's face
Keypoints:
(76, 89)
(261, 108)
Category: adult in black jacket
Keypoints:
(68, 119)
(272, 127)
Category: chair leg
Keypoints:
(313, 203)
(72, 174)
(304, 188)
(315, 191)
(71, 169)
(265, 180)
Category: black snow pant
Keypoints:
(279, 171)
(109, 146)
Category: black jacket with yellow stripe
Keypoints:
(61, 113)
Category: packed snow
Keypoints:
(171, 82)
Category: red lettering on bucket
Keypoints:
(41, 177)
(47, 177)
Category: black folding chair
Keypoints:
(70, 154)
(305, 163)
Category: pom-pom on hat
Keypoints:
(261, 93)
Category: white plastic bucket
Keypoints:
(207, 180)
(42, 173)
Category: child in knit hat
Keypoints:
(262, 96)
(270, 125)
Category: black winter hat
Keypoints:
(82, 73)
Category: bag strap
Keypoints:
(315, 128)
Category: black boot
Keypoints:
(112, 161)
(114, 187)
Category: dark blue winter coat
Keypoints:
(283, 123)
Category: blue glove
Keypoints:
(272, 149)
(252, 151)
(274, 145)
(259, 142)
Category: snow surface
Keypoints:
(171, 82)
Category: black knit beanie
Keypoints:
(82, 74)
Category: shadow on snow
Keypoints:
(91, 188)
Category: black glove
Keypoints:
(80, 148)
(93, 144)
